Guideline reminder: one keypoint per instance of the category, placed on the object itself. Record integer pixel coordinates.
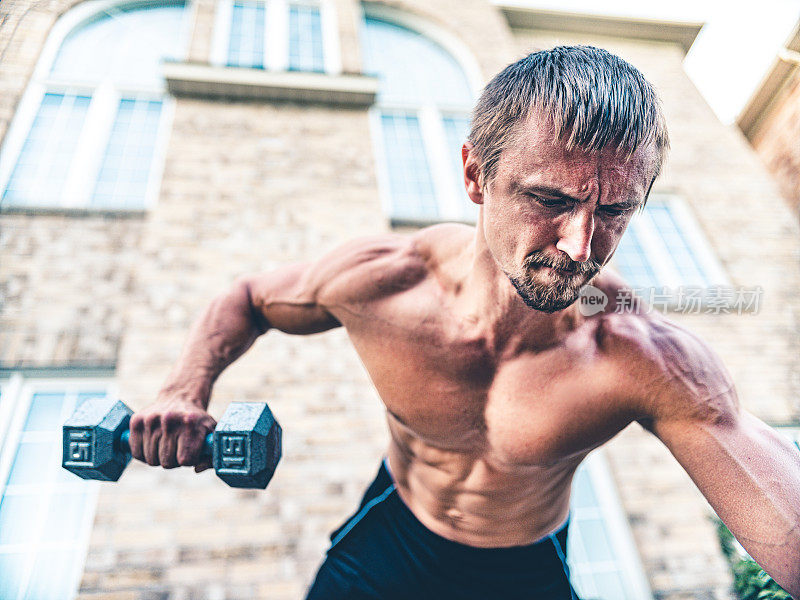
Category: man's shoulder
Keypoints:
(444, 239)
(670, 370)
(628, 324)
(369, 268)
(364, 268)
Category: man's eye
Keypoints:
(550, 202)
(614, 210)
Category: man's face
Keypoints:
(552, 217)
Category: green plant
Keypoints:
(750, 581)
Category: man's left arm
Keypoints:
(748, 472)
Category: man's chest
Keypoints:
(534, 408)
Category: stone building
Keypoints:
(154, 151)
(771, 119)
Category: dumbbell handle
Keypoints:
(206, 452)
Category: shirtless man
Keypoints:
(495, 385)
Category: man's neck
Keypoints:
(509, 324)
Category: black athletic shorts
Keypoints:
(383, 552)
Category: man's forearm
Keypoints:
(225, 330)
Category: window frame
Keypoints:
(621, 540)
(662, 266)
(95, 135)
(658, 258)
(447, 194)
(276, 35)
(16, 394)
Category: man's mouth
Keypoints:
(558, 270)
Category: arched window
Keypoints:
(90, 125)
(419, 123)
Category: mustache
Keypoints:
(562, 263)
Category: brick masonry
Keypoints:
(251, 186)
(776, 142)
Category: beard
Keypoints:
(561, 289)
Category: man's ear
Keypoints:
(472, 173)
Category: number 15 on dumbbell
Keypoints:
(245, 447)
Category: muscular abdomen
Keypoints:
(466, 495)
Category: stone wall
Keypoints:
(65, 286)
(776, 143)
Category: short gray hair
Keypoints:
(593, 98)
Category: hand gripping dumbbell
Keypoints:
(245, 447)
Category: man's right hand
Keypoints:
(170, 432)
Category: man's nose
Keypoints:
(575, 234)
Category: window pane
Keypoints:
(12, 571)
(19, 517)
(595, 539)
(56, 576)
(583, 495)
(65, 517)
(123, 177)
(407, 165)
(246, 43)
(676, 245)
(639, 262)
(305, 39)
(435, 83)
(435, 78)
(84, 396)
(44, 162)
(456, 129)
(633, 263)
(32, 463)
(42, 513)
(124, 46)
(45, 412)
(609, 585)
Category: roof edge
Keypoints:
(682, 33)
(770, 88)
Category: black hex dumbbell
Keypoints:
(245, 447)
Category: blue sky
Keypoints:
(732, 52)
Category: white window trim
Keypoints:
(10, 388)
(276, 34)
(16, 394)
(88, 156)
(222, 33)
(621, 539)
(381, 172)
(331, 45)
(80, 184)
(434, 138)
